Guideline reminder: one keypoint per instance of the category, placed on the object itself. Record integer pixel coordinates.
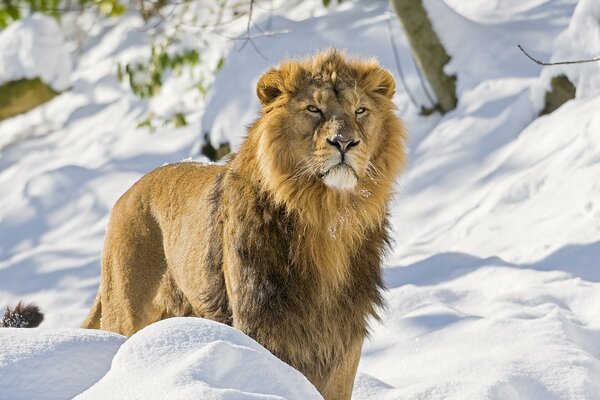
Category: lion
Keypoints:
(285, 240)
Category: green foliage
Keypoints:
(326, 3)
(13, 10)
(8, 13)
(147, 77)
(152, 122)
(220, 64)
(112, 8)
(179, 120)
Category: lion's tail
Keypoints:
(92, 321)
(22, 316)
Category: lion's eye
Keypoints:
(360, 110)
(313, 109)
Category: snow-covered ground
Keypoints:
(35, 48)
(494, 282)
(193, 358)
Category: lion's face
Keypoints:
(333, 132)
(324, 120)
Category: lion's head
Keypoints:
(328, 128)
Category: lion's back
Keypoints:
(173, 189)
(174, 203)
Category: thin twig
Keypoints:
(249, 17)
(161, 18)
(247, 38)
(260, 53)
(80, 8)
(240, 38)
(558, 62)
(399, 66)
(270, 23)
(424, 86)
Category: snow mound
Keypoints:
(186, 358)
(59, 364)
(34, 47)
(581, 40)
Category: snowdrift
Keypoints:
(53, 365)
(34, 48)
(194, 358)
(179, 358)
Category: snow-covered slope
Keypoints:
(494, 279)
(193, 358)
(53, 365)
(34, 48)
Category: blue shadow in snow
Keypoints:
(578, 260)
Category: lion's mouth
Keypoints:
(340, 176)
(340, 165)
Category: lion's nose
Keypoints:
(342, 144)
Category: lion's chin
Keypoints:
(340, 177)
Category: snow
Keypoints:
(52, 365)
(494, 290)
(532, 334)
(185, 358)
(178, 358)
(34, 48)
(580, 41)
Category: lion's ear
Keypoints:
(386, 84)
(381, 82)
(269, 86)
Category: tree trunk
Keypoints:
(428, 51)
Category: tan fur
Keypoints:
(262, 243)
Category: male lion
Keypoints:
(285, 241)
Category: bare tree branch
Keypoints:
(399, 66)
(558, 62)
(249, 17)
(247, 38)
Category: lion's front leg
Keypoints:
(340, 382)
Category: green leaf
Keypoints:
(13, 11)
(163, 60)
(118, 9)
(179, 120)
(120, 72)
(220, 64)
(54, 12)
(193, 57)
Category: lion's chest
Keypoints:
(280, 298)
(290, 317)
(277, 292)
